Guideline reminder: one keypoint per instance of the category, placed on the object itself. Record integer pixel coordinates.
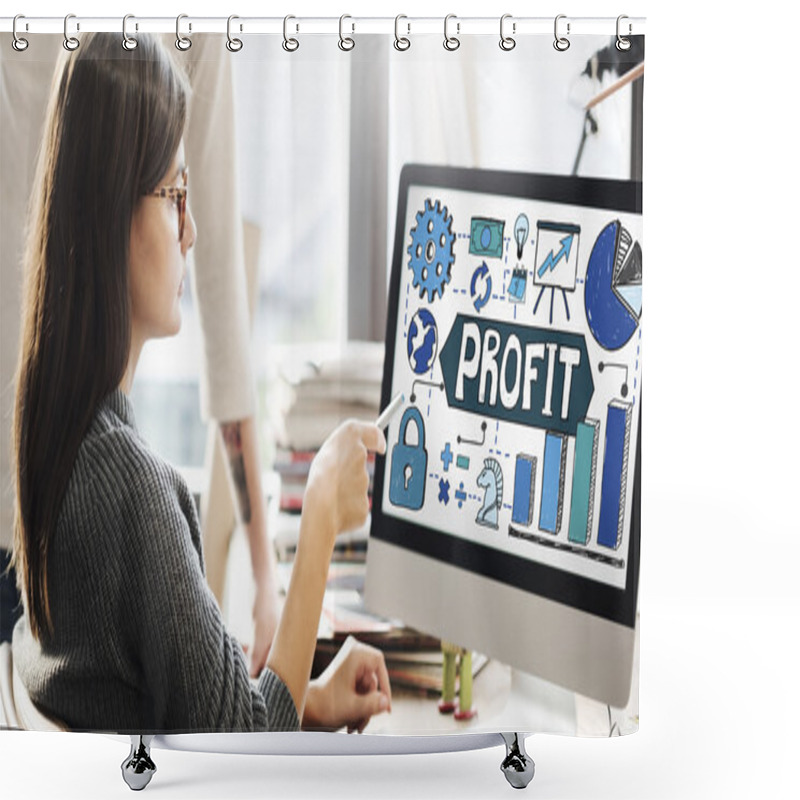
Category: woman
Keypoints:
(120, 631)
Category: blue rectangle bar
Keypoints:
(524, 485)
(615, 475)
(555, 459)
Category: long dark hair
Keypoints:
(114, 122)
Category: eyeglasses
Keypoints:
(178, 195)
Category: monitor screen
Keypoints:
(510, 486)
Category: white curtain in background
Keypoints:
(520, 110)
(476, 107)
(293, 125)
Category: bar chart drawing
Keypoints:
(615, 474)
(524, 489)
(584, 477)
(553, 474)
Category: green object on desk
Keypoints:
(449, 677)
(465, 683)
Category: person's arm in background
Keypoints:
(241, 448)
(220, 290)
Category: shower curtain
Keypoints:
(460, 226)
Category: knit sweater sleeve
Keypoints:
(195, 672)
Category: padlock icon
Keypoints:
(409, 465)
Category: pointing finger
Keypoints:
(372, 436)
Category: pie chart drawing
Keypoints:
(613, 289)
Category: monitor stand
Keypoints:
(534, 704)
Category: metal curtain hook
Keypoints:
(18, 43)
(128, 42)
(346, 42)
(623, 43)
(70, 42)
(451, 42)
(561, 43)
(289, 44)
(507, 42)
(401, 42)
(234, 45)
(182, 42)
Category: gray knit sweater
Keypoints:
(139, 644)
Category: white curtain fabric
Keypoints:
(302, 136)
(520, 110)
(293, 129)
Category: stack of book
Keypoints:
(414, 660)
(320, 387)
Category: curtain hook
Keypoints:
(401, 43)
(182, 42)
(451, 42)
(70, 42)
(289, 44)
(507, 42)
(234, 45)
(561, 43)
(18, 43)
(128, 42)
(346, 42)
(623, 43)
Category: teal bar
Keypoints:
(584, 477)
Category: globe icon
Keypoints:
(422, 341)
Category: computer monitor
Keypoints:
(506, 512)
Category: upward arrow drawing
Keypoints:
(551, 260)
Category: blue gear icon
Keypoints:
(431, 249)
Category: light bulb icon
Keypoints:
(521, 230)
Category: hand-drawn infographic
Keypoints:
(517, 289)
(524, 483)
(556, 262)
(491, 481)
(431, 250)
(480, 288)
(518, 347)
(422, 341)
(408, 465)
(613, 296)
(486, 237)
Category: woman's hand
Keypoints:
(338, 479)
(353, 688)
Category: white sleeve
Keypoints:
(220, 280)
